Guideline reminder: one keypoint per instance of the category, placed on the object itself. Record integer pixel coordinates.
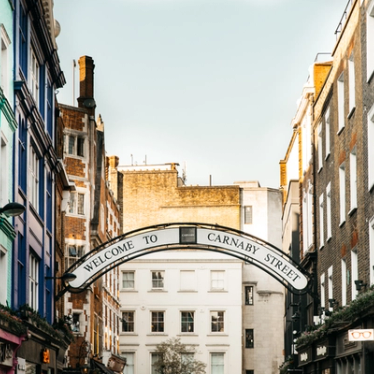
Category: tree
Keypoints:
(177, 358)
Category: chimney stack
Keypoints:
(86, 83)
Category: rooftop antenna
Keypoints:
(74, 66)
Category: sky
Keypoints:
(209, 84)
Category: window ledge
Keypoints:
(218, 333)
(187, 291)
(341, 224)
(218, 291)
(352, 211)
(156, 290)
(320, 168)
(128, 290)
(187, 334)
(157, 334)
(329, 239)
(122, 333)
(327, 156)
(322, 246)
(340, 130)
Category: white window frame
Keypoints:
(184, 322)
(323, 293)
(33, 282)
(158, 282)
(4, 60)
(217, 280)
(220, 322)
(70, 257)
(328, 212)
(321, 223)
(341, 106)
(342, 193)
(370, 41)
(4, 175)
(130, 362)
(330, 289)
(320, 147)
(353, 178)
(133, 322)
(153, 359)
(370, 135)
(4, 272)
(77, 203)
(158, 321)
(187, 280)
(33, 177)
(371, 249)
(343, 263)
(354, 272)
(131, 282)
(327, 133)
(248, 214)
(34, 79)
(351, 84)
(221, 368)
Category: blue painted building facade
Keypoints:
(30, 74)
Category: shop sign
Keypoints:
(305, 356)
(360, 335)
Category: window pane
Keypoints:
(217, 278)
(157, 279)
(157, 323)
(71, 145)
(129, 368)
(187, 321)
(248, 295)
(128, 321)
(249, 341)
(217, 320)
(248, 214)
(80, 147)
(128, 279)
(217, 363)
(81, 203)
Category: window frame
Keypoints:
(219, 283)
(158, 279)
(33, 275)
(342, 193)
(221, 364)
(249, 296)
(157, 323)
(128, 280)
(248, 214)
(341, 104)
(249, 338)
(353, 179)
(186, 322)
(217, 326)
(130, 314)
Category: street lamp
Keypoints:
(67, 277)
(12, 209)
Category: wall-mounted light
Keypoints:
(360, 284)
(12, 209)
(67, 277)
(85, 369)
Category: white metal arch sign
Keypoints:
(187, 235)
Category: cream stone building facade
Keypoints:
(230, 311)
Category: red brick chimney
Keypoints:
(86, 80)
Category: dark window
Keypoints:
(49, 104)
(187, 321)
(23, 40)
(80, 147)
(249, 372)
(22, 155)
(248, 295)
(217, 321)
(157, 323)
(128, 321)
(249, 341)
(49, 207)
(248, 214)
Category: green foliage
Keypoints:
(344, 316)
(177, 358)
